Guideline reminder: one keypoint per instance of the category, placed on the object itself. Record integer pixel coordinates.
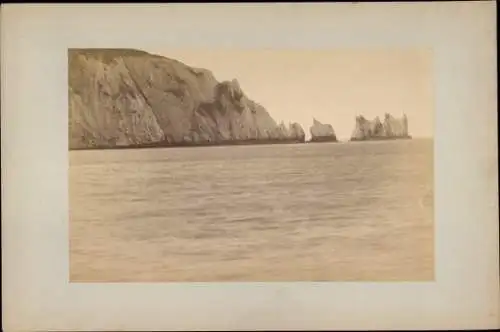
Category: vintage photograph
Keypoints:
(267, 167)
(250, 165)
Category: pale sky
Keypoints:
(332, 85)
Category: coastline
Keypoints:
(323, 140)
(165, 144)
(233, 143)
(387, 138)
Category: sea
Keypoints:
(353, 211)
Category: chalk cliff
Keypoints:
(391, 128)
(322, 132)
(130, 98)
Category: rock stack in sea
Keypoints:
(391, 128)
(322, 132)
(130, 98)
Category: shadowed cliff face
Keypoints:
(322, 132)
(122, 97)
(391, 128)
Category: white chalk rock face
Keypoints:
(391, 128)
(297, 132)
(125, 97)
(396, 127)
(322, 132)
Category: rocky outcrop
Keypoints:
(292, 130)
(322, 132)
(130, 98)
(391, 128)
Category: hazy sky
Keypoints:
(333, 86)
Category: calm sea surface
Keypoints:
(326, 211)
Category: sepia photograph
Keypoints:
(251, 165)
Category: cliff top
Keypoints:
(316, 122)
(387, 116)
(107, 55)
